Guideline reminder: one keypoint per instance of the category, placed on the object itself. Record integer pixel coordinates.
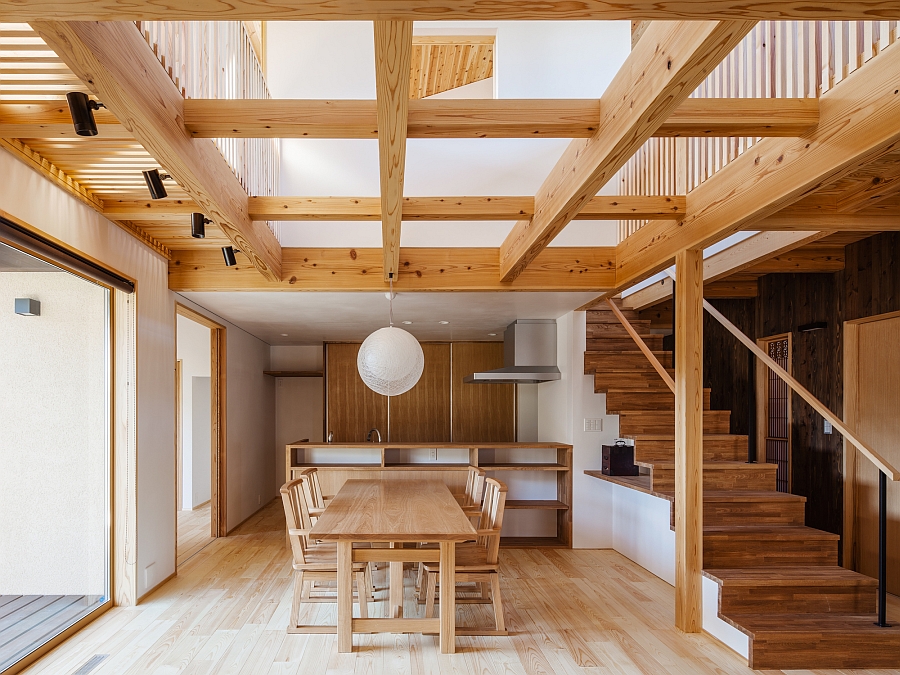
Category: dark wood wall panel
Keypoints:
(423, 413)
(871, 276)
(481, 412)
(726, 363)
(785, 302)
(352, 408)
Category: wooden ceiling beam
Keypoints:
(116, 63)
(436, 208)
(666, 65)
(393, 50)
(51, 119)
(458, 10)
(421, 269)
(880, 181)
(860, 121)
(160, 210)
(486, 118)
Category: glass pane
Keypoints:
(54, 451)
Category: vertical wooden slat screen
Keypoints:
(777, 59)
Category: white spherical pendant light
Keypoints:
(390, 361)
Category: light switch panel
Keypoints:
(595, 424)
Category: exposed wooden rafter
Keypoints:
(860, 122)
(458, 10)
(393, 48)
(484, 118)
(118, 66)
(666, 65)
(444, 62)
(421, 269)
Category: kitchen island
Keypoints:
(539, 476)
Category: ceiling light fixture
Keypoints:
(408, 323)
(810, 327)
(228, 252)
(198, 225)
(443, 323)
(492, 334)
(390, 360)
(154, 180)
(284, 335)
(82, 108)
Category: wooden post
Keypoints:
(688, 440)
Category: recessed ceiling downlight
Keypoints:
(443, 323)
(408, 323)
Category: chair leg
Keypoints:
(431, 589)
(370, 582)
(362, 595)
(498, 603)
(420, 598)
(297, 598)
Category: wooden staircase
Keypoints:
(779, 580)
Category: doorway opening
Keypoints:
(199, 433)
(774, 408)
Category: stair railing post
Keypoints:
(882, 550)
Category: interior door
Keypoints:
(774, 423)
(872, 349)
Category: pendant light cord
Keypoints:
(391, 302)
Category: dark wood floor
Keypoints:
(28, 621)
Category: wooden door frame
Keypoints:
(762, 401)
(179, 442)
(218, 389)
(851, 419)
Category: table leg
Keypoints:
(396, 587)
(448, 597)
(345, 596)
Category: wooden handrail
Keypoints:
(803, 393)
(663, 373)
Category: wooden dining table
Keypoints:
(395, 511)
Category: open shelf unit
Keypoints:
(449, 462)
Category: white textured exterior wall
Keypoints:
(54, 433)
(193, 351)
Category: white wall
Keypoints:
(54, 433)
(193, 350)
(250, 421)
(299, 401)
(28, 196)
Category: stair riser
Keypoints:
(616, 379)
(610, 344)
(797, 599)
(663, 423)
(754, 513)
(727, 448)
(635, 359)
(612, 330)
(739, 552)
(663, 480)
(606, 316)
(645, 400)
(806, 651)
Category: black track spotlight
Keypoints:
(228, 252)
(82, 110)
(198, 225)
(154, 180)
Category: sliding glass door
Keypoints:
(55, 427)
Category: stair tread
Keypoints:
(755, 624)
(750, 496)
(777, 532)
(790, 576)
(714, 465)
(671, 437)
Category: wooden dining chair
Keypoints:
(478, 561)
(313, 561)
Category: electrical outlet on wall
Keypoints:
(828, 427)
(432, 454)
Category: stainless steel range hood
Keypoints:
(529, 355)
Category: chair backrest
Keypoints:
(474, 486)
(318, 500)
(491, 520)
(296, 514)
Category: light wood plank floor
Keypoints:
(571, 612)
(193, 532)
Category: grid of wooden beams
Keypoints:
(486, 118)
(114, 60)
(444, 62)
(666, 65)
(458, 10)
(421, 269)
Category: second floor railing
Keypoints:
(777, 59)
(220, 59)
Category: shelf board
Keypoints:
(523, 467)
(294, 373)
(532, 542)
(346, 467)
(542, 504)
(427, 466)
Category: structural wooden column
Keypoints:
(688, 440)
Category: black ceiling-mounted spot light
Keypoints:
(810, 327)
(228, 252)
(198, 225)
(82, 108)
(154, 180)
